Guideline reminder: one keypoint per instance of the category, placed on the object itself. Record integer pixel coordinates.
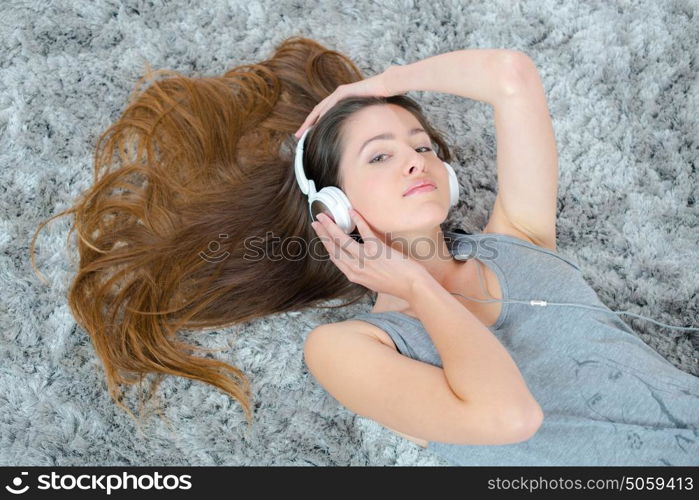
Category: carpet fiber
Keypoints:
(622, 88)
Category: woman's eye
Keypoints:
(383, 154)
(375, 157)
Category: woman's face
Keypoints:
(376, 173)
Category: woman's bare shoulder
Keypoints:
(364, 328)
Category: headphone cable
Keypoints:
(544, 303)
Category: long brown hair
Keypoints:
(192, 172)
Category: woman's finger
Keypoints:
(309, 121)
(338, 237)
(302, 128)
(359, 222)
(317, 112)
(364, 230)
(327, 240)
(305, 123)
(328, 104)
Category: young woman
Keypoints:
(476, 382)
(479, 382)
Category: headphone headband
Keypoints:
(307, 186)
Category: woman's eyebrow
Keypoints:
(388, 135)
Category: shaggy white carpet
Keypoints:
(622, 87)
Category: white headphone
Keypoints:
(335, 201)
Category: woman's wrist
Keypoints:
(393, 87)
(423, 282)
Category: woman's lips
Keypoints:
(421, 189)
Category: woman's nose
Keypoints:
(415, 161)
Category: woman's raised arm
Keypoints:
(480, 74)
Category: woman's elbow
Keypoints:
(531, 423)
(527, 424)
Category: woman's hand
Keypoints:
(374, 264)
(375, 85)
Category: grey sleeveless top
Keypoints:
(608, 397)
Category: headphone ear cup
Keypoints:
(339, 206)
(453, 185)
